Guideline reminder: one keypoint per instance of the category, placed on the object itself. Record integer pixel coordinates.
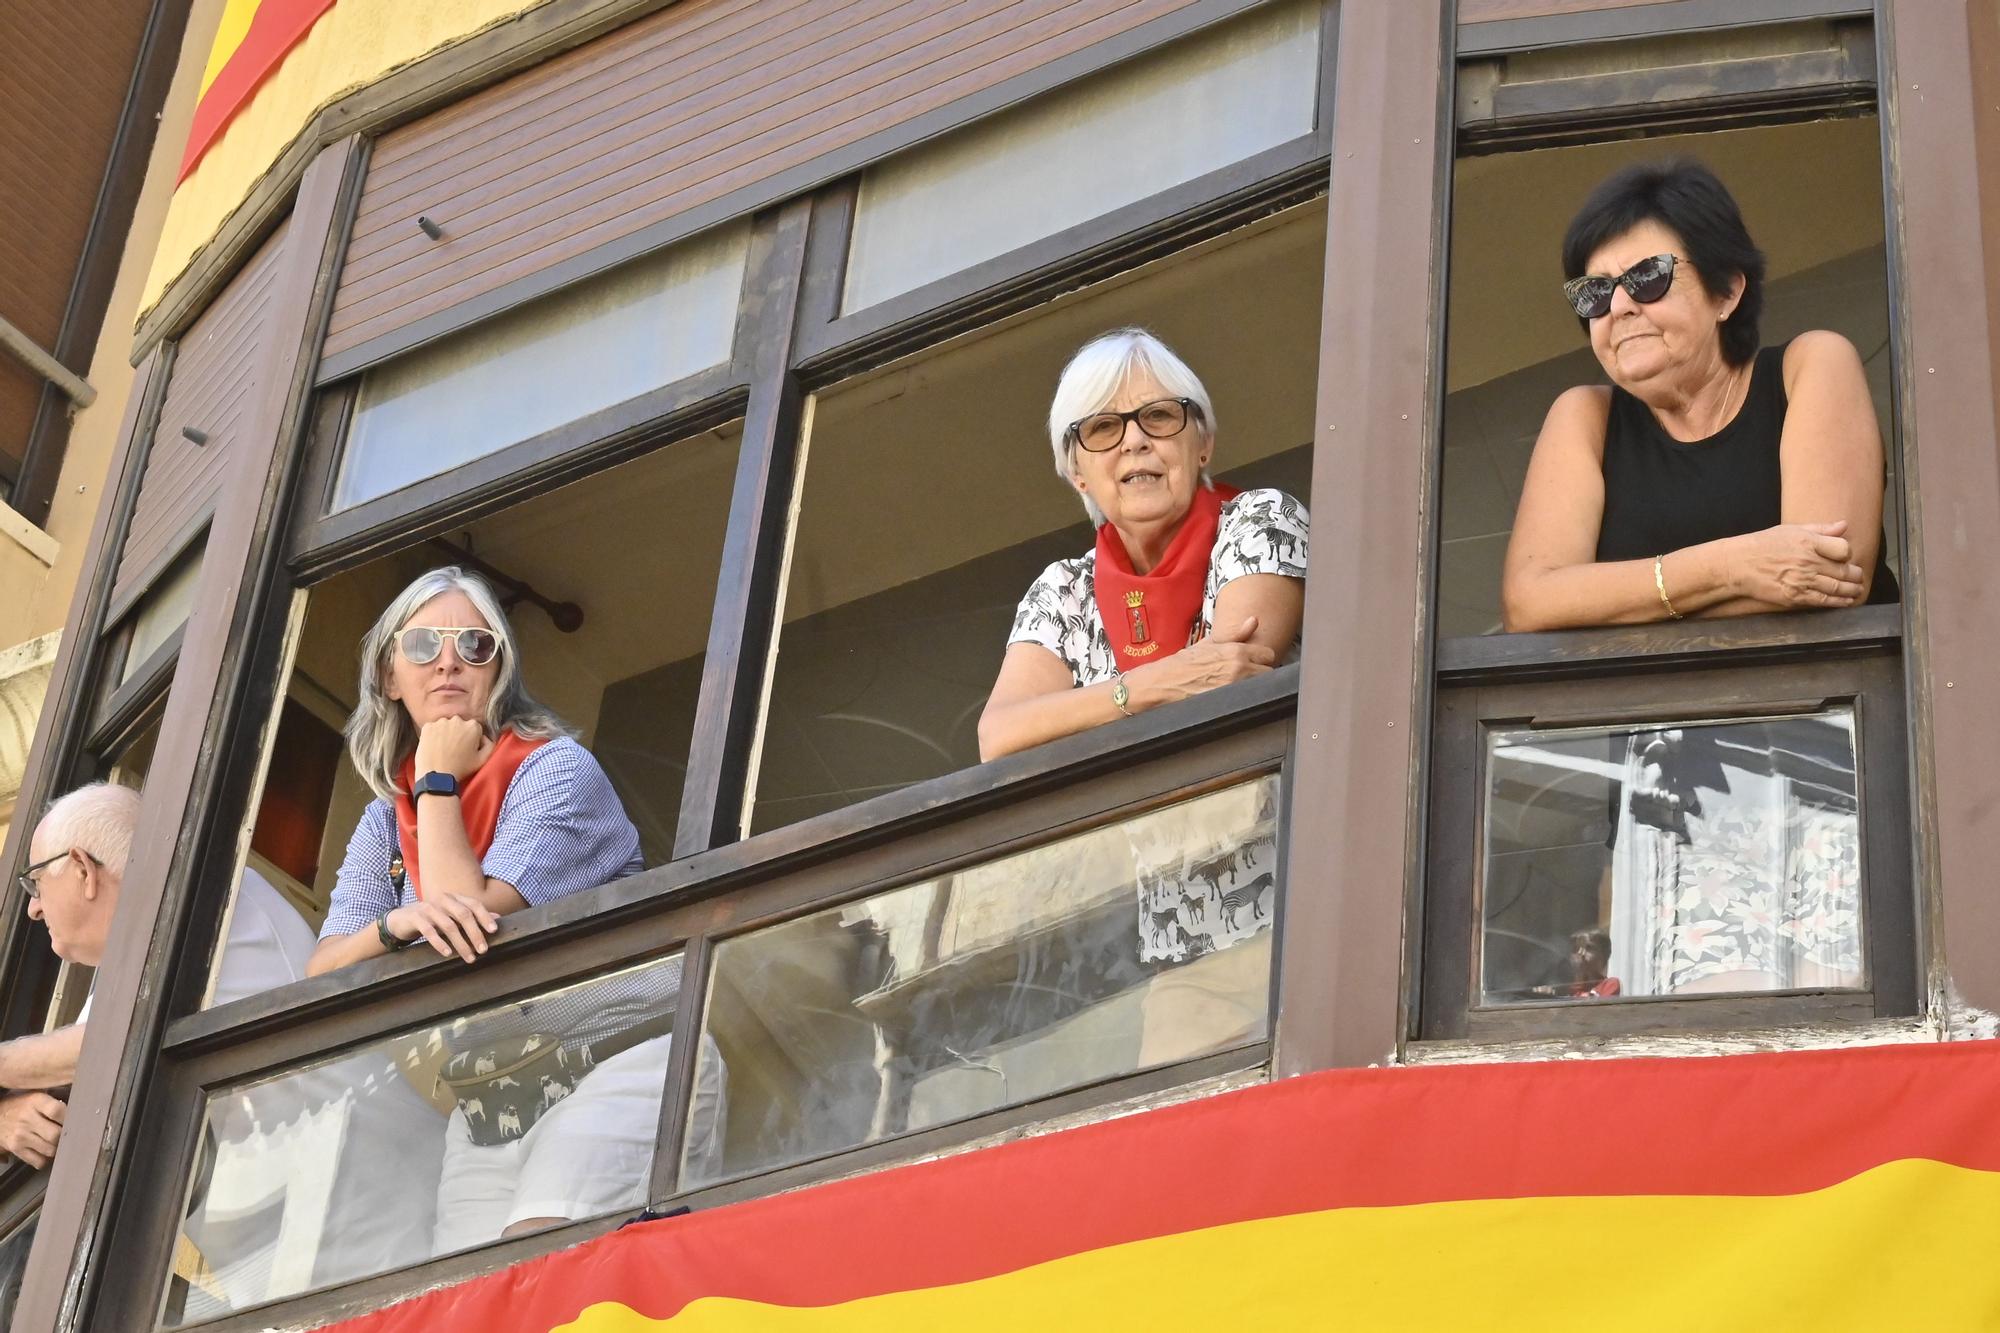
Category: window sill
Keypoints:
(1683, 1041)
(1470, 659)
(923, 805)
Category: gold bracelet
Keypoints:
(1660, 585)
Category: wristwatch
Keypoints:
(1120, 696)
(390, 939)
(433, 784)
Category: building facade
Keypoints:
(719, 334)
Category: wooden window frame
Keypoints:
(1363, 691)
(991, 812)
(1439, 1010)
(1780, 667)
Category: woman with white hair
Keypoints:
(1191, 584)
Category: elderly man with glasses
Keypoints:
(76, 868)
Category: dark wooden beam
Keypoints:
(72, 1263)
(750, 588)
(1355, 823)
(1941, 143)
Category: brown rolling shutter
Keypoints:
(212, 387)
(703, 101)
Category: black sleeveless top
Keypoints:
(1661, 494)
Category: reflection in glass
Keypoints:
(164, 609)
(1672, 859)
(499, 1122)
(1133, 945)
(1079, 153)
(543, 365)
(13, 1265)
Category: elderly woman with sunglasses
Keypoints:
(1709, 478)
(484, 804)
(1191, 585)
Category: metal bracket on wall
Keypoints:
(45, 365)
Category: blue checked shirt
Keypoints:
(561, 829)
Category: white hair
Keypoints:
(97, 819)
(380, 735)
(1095, 374)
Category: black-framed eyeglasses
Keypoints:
(30, 879)
(1162, 419)
(1645, 282)
(421, 644)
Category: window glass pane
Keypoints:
(13, 1266)
(163, 610)
(502, 1121)
(592, 346)
(1134, 945)
(929, 504)
(1811, 196)
(1672, 859)
(1112, 139)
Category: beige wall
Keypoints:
(35, 597)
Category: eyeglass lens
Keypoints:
(1161, 419)
(422, 643)
(1646, 282)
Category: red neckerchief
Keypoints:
(1150, 616)
(479, 798)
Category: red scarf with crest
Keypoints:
(1150, 616)
(479, 798)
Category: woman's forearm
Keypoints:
(1026, 723)
(1621, 592)
(337, 951)
(449, 865)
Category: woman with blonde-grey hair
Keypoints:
(1190, 585)
(485, 805)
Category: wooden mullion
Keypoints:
(748, 590)
(1357, 804)
(697, 960)
(71, 1270)
(71, 690)
(1940, 121)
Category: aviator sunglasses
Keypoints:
(1646, 282)
(421, 644)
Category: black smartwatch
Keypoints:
(433, 784)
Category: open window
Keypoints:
(1691, 823)
(927, 505)
(611, 629)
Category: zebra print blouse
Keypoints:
(1261, 532)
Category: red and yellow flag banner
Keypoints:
(1847, 1189)
(254, 37)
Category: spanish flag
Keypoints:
(252, 40)
(1845, 1189)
